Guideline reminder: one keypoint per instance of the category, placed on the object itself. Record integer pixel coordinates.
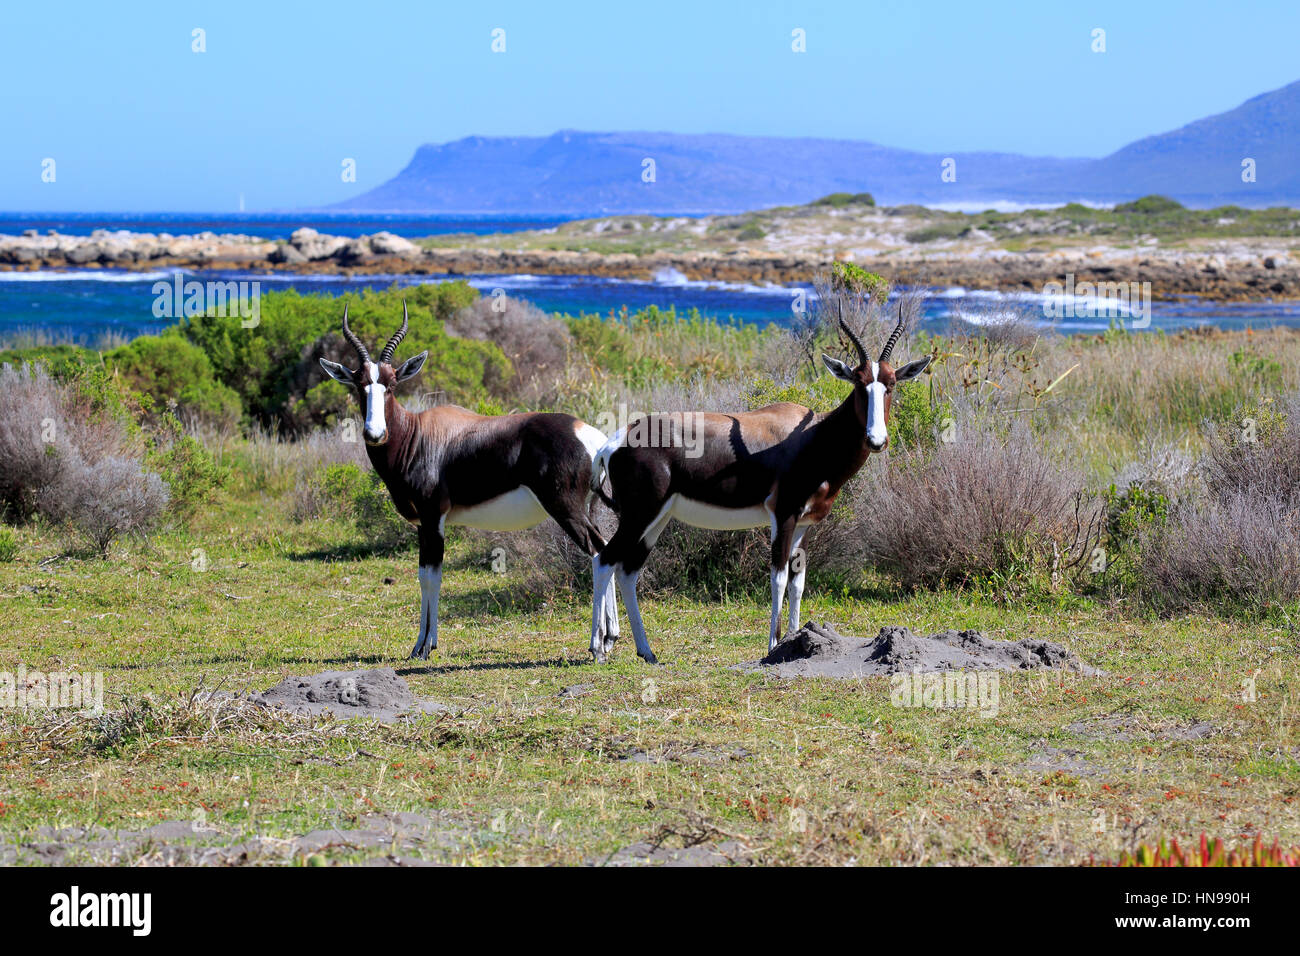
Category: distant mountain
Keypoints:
(573, 172)
(1200, 164)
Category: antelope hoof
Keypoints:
(609, 644)
(649, 657)
(599, 656)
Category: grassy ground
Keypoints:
(687, 752)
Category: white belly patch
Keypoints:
(512, 511)
(716, 518)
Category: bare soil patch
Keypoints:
(674, 751)
(1125, 727)
(389, 839)
(727, 853)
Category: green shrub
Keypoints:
(192, 475)
(913, 421)
(821, 394)
(1151, 205)
(840, 200)
(1131, 514)
(168, 367)
(8, 546)
(348, 492)
(751, 232)
(55, 358)
(274, 367)
(846, 277)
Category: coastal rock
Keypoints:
(117, 253)
(19, 255)
(287, 254)
(315, 246)
(83, 253)
(387, 244)
(354, 251)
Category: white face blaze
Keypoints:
(374, 427)
(877, 434)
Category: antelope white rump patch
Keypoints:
(593, 439)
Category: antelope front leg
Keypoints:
(611, 617)
(798, 569)
(431, 551)
(782, 541)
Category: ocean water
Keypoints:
(87, 306)
(268, 225)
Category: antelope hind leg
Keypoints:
(602, 587)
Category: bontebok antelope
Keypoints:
(447, 465)
(778, 467)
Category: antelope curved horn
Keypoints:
(352, 337)
(857, 344)
(893, 336)
(396, 340)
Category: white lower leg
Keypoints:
(627, 587)
(430, 588)
(779, 578)
(798, 568)
(611, 614)
(602, 588)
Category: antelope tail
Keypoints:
(600, 469)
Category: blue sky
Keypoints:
(137, 121)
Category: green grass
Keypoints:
(533, 777)
(872, 782)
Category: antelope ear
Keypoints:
(338, 372)
(411, 367)
(912, 369)
(838, 368)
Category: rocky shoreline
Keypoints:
(1238, 274)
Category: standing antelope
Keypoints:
(447, 465)
(780, 467)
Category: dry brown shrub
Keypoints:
(537, 344)
(988, 506)
(1236, 547)
(76, 464)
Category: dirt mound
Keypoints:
(379, 694)
(817, 650)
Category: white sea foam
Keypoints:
(84, 275)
